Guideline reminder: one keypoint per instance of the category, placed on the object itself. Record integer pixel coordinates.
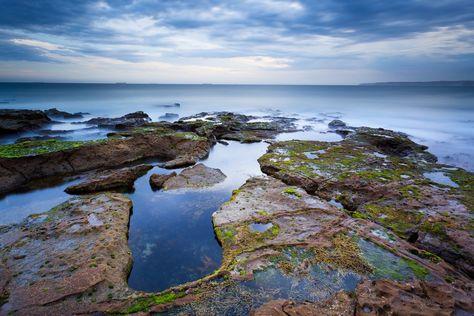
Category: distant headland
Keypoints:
(461, 83)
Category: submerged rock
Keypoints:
(157, 180)
(169, 116)
(337, 124)
(55, 113)
(379, 175)
(70, 260)
(12, 121)
(129, 120)
(198, 176)
(110, 180)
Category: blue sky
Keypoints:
(248, 41)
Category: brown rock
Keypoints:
(157, 180)
(198, 176)
(15, 172)
(338, 305)
(76, 248)
(111, 180)
(179, 162)
(385, 297)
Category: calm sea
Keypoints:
(440, 117)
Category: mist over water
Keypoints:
(439, 117)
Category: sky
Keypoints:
(242, 42)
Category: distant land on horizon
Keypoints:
(456, 83)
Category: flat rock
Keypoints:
(179, 162)
(380, 175)
(53, 260)
(198, 176)
(110, 180)
(12, 121)
(267, 195)
(157, 180)
(24, 162)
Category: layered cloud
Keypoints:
(249, 41)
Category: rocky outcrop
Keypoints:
(238, 127)
(290, 253)
(198, 176)
(129, 120)
(55, 113)
(110, 180)
(380, 175)
(72, 259)
(21, 163)
(158, 180)
(12, 121)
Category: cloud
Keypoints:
(239, 39)
(36, 44)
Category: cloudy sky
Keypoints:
(248, 41)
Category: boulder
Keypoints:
(198, 176)
(110, 180)
(157, 180)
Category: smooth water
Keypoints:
(171, 235)
(440, 117)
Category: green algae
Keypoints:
(465, 180)
(434, 228)
(419, 271)
(398, 220)
(292, 191)
(143, 304)
(33, 148)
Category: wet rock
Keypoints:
(338, 305)
(36, 138)
(12, 121)
(311, 251)
(110, 180)
(21, 163)
(169, 116)
(379, 175)
(416, 298)
(337, 124)
(72, 259)
(198, 176)
(129, 120)
(55, 113)
(238, 127)
(157, 180)
(179, 162)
